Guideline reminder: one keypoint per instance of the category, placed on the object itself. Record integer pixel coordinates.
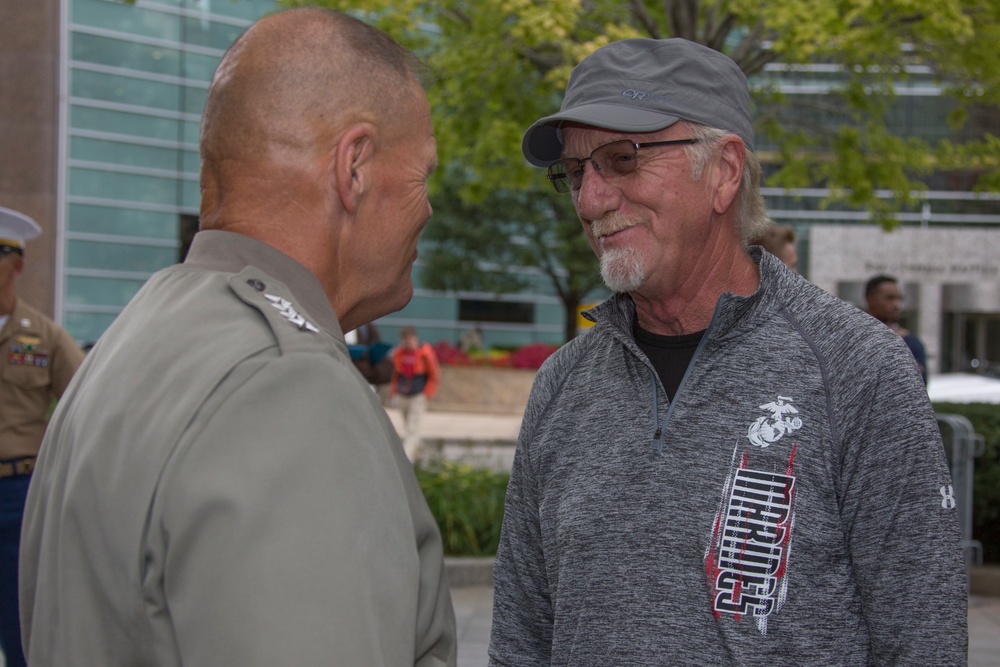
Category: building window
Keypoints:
(472, 310)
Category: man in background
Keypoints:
(221, 486)
(39, 359)
(884, 302)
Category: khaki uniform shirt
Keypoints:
(39, 359)
(220, 486)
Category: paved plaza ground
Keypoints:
(474, 613)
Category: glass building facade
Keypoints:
(135, 79)
(136, 76)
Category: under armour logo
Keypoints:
(285, 308)
(948, 497)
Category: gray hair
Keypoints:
(751, 211)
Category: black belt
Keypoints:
(17, 467)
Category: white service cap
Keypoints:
(16, 228)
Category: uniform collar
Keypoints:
(230, 252)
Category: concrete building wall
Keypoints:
(29, 134)
(942, 270)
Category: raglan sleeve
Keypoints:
(522, 606)
(900, 516)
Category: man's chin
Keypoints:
(622, 270)
(400, 297)
(388, 302)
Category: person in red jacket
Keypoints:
(415, 376)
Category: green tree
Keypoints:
(474, 243)
(498, 65)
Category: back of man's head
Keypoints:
(284, 91)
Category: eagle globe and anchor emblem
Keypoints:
(782, 421)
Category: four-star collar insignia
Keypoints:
(285, 308)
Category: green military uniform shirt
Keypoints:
(221, 487)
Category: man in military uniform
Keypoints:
(221, 486)
(39, 359)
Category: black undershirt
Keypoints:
(670, 355)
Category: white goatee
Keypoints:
(623, 268)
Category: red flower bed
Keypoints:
(529, 356)
(532, 355)
(449, 354)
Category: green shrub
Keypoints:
(467, 503)
(985, 419)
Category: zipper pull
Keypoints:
(658, 440)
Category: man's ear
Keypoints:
(352, 160)
(732, 157)
(18, 264)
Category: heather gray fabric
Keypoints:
(219, 486)
(794, 510)
(644, 85)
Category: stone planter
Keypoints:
(483, 389)
(469, 570)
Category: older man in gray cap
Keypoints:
(731, 466)
(38, 360)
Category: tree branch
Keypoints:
(543, 61)
(749, 55)
(683, 15)
(716, 36)
(458, 15)
(644, 19)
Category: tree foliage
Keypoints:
(499, 65)
(495, 242)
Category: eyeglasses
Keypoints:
(9, 249)
(615, 159)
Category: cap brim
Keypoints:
(542, 143)
(16, 226)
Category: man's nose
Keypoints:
(597, 195)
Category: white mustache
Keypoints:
(611, 224)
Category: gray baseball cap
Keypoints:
(644, 85)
